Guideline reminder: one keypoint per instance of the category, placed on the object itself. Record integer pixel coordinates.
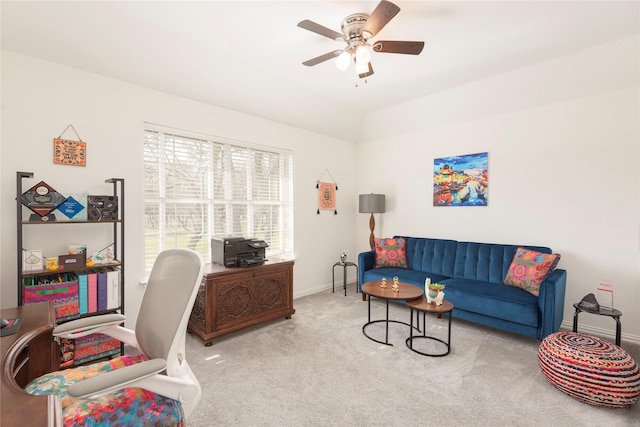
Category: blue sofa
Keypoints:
(473, 274)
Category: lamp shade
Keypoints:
(371, 203)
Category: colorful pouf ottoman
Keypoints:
(590, 369)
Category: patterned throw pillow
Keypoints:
(391, 253)
(529, 268)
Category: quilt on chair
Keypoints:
(126, 407)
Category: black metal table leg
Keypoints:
(575, 320)
(333, 278)
(424, 307)
(386, 322)
(344, 279)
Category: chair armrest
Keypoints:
(116, 380)
(551, 302)
(107, 324)
(145, 375)
(366, 261)
(88, 325)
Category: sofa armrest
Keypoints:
(551, 302)
(366, 261)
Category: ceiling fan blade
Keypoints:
(398, 46)
(368, 73)
(319, 29)
(381, 15)
(318, 59)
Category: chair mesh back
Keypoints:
(168, 301)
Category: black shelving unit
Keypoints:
(118, 226)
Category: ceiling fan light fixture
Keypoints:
(343, 60)
(363, 55)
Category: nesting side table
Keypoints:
(421, 305)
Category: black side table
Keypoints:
(611, 312)
(344, 265)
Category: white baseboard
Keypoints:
(351, 283)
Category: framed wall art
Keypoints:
(461, 180)
(69, 152)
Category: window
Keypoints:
(198, 186)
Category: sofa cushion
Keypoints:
(435, 256)
(529, 268)
(391, 252)
(495, 300)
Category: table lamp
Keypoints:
(371, 203)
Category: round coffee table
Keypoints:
(406, 292)
(421, 305)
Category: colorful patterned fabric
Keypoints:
(529, 268)
(93, 347)
(391, 253)
(127, 407)
(590, 369)
(63, 294)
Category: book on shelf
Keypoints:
(92, 292)
(102, 289)
(113, 288)
(83, 301)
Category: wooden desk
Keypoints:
(26, 355)
(233, 299)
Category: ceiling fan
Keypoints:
(357, 30)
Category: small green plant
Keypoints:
(436, 287)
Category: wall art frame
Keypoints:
(461, 180)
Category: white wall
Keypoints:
(563, 140)
(39, 99)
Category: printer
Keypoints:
(237, 251)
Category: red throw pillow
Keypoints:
(529, 268)
(391, 253)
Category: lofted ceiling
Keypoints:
(247, 55)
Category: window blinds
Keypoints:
(197, 187)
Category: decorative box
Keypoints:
(71, 261)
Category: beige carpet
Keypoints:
(318, 369)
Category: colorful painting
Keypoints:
(461, 180)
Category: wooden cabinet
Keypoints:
(233, 299)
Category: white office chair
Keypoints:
(156, 384)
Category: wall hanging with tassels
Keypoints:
(327, 194)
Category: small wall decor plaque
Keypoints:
(69, 152)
